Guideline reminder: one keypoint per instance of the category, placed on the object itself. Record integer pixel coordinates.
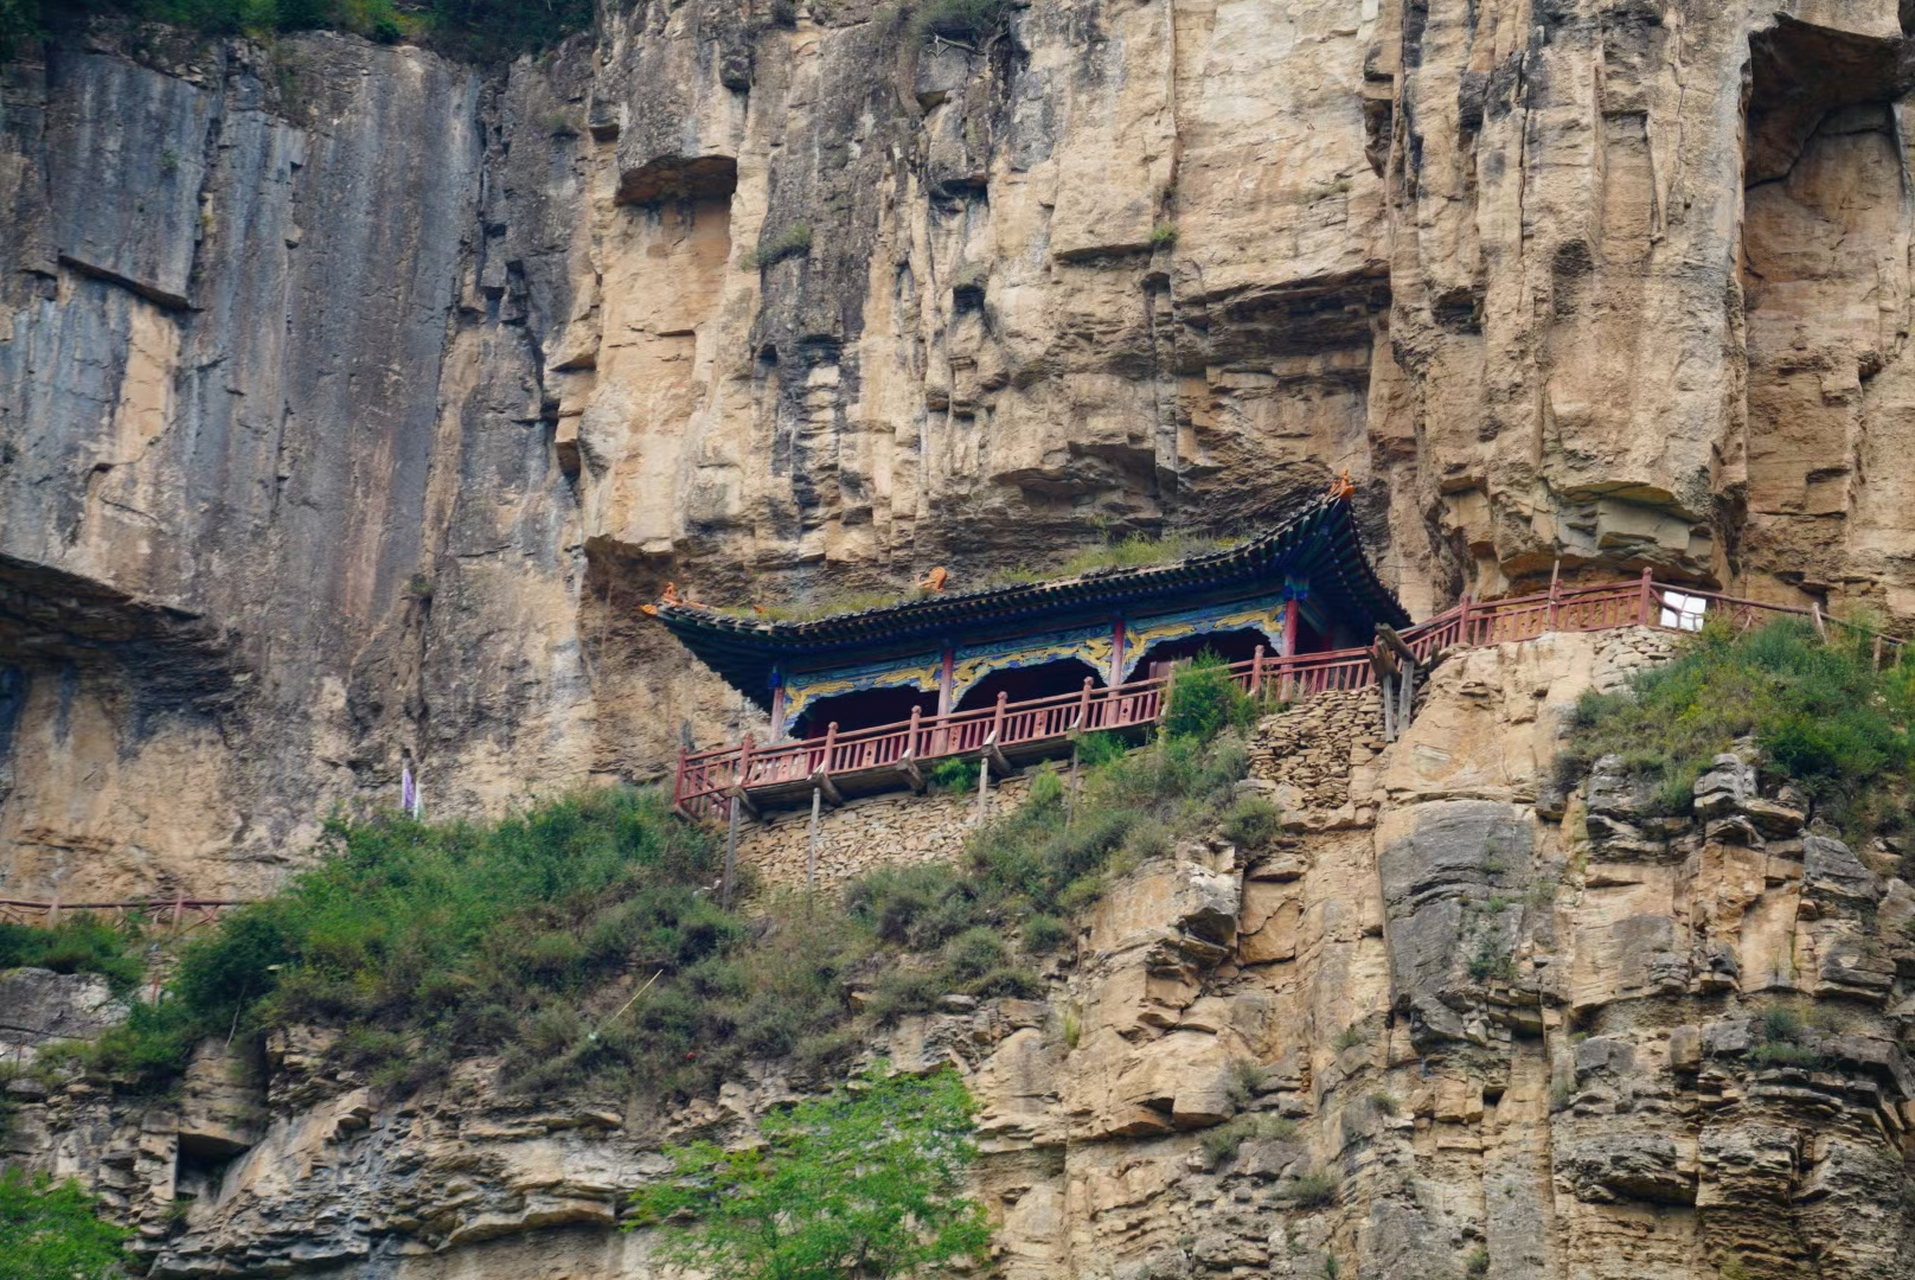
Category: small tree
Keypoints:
(1204, 700)
(863, 1184)
(50, 1232)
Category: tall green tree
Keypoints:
(862, 1185)
(49, 1231)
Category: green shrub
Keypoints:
(1781, 1024)
(78, 944)
(1351, 1036)
(1223, 1141)
(1821, 714)
(1247, 1080)
(974, 953)
(1044, 934)
(793, 242)
(1252, 822)
(1491, 959)
(1784, 1054)
(868, 1183)
(466, 938)
(480, 30)
(967, 21)
(1204, 699)
(1476, 1263)
(50, 1231)
(1309, 1190)
(1163, 236)
(953, 774)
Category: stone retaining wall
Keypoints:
(1313, 745)
(902, 829)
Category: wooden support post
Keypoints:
(1070, 790)
(997, 721)
(179, 908)
(1462, 623)
(1821, 628)
(778, 711)
(744, 762)
(983, 789)
(831, 744)
(1646, 600)
(822, 782)
(811, 849)
(908, 762)
(1256, 672)
(1083, 712)
(1407, 693)
(1876, 662)
(731, 855)
(1555, 571)
(1386, 685)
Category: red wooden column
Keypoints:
(947, 680)
(1116, 651)
(778, 709)
(947, 676)
(1644, 605)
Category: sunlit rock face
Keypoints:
(355, 399)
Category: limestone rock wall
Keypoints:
(355, 399)
(1486, 1029)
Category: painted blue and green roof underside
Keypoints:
(1316, 557)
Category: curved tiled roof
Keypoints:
(1322, 545)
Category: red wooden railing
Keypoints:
(170, 915)
(707, 780)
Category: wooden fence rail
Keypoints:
(709, 781)
(171, 916)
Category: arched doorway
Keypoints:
(1021, 684)
(1231, 646)
(865, 709)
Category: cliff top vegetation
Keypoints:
(476, 30)
(1823, 715)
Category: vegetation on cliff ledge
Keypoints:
(579, 942)
(481, 30)
(49, 1231)
(868, 1181)
(1822, 714)
(424, 942)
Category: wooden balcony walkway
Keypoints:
(892, 756)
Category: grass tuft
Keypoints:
(1821, 714)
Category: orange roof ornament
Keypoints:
(671, 596)
(934, 581)
(1342, 489)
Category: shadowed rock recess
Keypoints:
(352, 400)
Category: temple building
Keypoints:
(1301, 588)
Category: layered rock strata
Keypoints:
(1492, 1030)
(355, 398)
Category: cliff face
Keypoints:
(1452, 1024)
(355, 399)
(351, 400)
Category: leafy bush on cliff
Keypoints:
(1821, 713)
(523, 937)
(50, 1231)
(867, 1182)
(482, 30)
(78, 944)
(1053, 855)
